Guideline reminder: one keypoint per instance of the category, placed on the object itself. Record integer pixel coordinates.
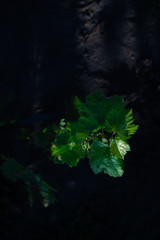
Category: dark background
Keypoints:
(51, 51)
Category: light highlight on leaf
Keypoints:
(119, 148)
(101, 159)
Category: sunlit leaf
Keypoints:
(119, 148)
(101, 159)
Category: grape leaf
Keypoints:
(119, 122)
(115, 102)
(115, 122)
(97, 103)
(101, 159)
(62, 138)
(92, 113)
(68, 149)
(69, 154)
(119, 148)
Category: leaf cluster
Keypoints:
(100, 133)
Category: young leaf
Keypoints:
(119, 148)
(130, 127)
(101, 159)
(119, 122)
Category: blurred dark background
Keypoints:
(51, 51)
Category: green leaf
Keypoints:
(62, 138)
(46, 193)
(77, 102)
(97, 103)
(101, 159)
(119, 148)
(115, 122)
(15, 172)
(70, 153)
(67, 147)
(130, 127)
(45, 136)
(62, 122)
(119, 122)
(115, 102)
(92, 113)
(11, 169)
